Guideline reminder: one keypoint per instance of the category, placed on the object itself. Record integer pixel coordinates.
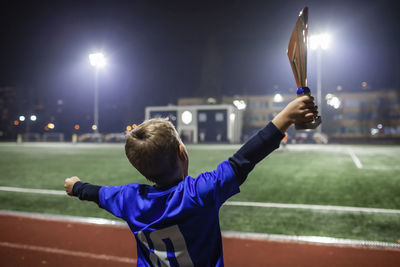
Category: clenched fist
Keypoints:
(69, 184)
(300, 110)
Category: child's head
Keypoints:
(156, 151)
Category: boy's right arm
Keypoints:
(84, 191)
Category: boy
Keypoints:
(175, 222)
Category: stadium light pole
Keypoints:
(98, 61)
(319, 42)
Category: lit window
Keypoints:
(219, 116)
(202, 117)
(187, 117)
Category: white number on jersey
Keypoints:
(160, 249)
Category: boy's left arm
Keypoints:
(268, 139)
(256, 148)
(84, 191)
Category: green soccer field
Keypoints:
(316, 175)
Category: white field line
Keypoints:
(355, 159)
(31, 190)
(310, 207)
(225, 234)
(236, 203)
(66, 252)
(382, 168)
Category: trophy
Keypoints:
(297, 53)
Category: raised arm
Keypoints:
(268, 139)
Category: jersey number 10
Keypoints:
(159, 255)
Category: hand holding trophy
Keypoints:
(297, 53)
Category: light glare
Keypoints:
(278, 98)
(240, 104)
(374, 131)
(33, 117)
(97, 60)
(187, 117)
(333, 101)
(22, 118)
(320, 41)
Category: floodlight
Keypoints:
(325, 41)
(97, 60)
(320, 41)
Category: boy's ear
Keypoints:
(182, 152)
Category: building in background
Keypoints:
(202, 123)
(347, 117)
(364, 115)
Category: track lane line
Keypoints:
(67, 252)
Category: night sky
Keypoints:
(160, 51)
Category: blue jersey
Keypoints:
(178, 226)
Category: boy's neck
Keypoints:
(169, 185)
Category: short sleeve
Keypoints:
(215, 187)
(111, 198)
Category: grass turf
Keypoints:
(303, 177)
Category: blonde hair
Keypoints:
(152, 148)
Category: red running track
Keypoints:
(26, 241)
